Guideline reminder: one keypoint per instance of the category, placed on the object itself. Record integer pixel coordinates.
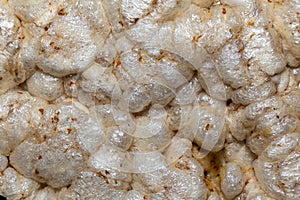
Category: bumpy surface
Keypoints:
(150, 99)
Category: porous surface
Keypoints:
(150, 99)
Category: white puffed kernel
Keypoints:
(21, 115)
(119, 138)
(45, 86)
(232, 180)
(15, 186)
(3, 162)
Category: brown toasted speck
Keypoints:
(250, 23)
(224, 11)
(154, 3)
(62, 12)
(106, 180)
(41, 110)
(69, 130)
(208, 126)
(55, 119)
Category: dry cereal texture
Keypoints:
(150, 99)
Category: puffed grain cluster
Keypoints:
(150, 99)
